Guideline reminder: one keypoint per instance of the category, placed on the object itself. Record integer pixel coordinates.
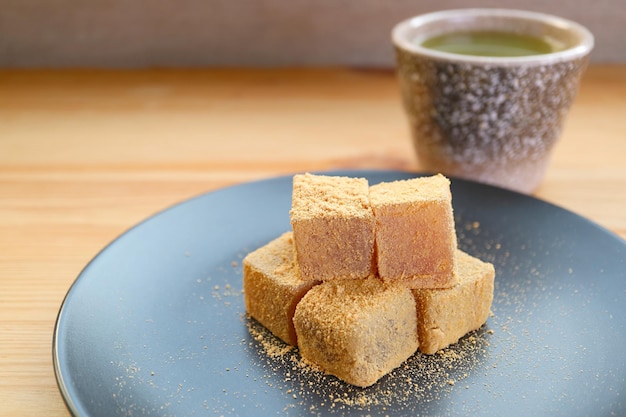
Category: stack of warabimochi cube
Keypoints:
(368, 275)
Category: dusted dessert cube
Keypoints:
(273, 286)
(446, 315)
(415, 236)
(333, 227)
(357, 330)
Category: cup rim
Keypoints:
(400, 32)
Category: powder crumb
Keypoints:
(273, 347)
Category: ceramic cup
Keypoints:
(489, 119)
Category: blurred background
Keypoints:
(266, 33)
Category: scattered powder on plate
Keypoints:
(422, 378)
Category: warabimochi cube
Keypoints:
(272, 286)
(333, 227)
(415, 235)
(357, 330)
(446, 315)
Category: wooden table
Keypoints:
(84, 155)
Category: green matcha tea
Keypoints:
(490, 43)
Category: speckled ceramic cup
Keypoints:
(489, 119)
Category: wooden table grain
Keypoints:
(86, 154)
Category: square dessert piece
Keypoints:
(333, 227)
(446, 315)
(415, 235)
(357, 330)
(273, 286)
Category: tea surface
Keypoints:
(490, 43)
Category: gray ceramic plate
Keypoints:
(155, 324)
